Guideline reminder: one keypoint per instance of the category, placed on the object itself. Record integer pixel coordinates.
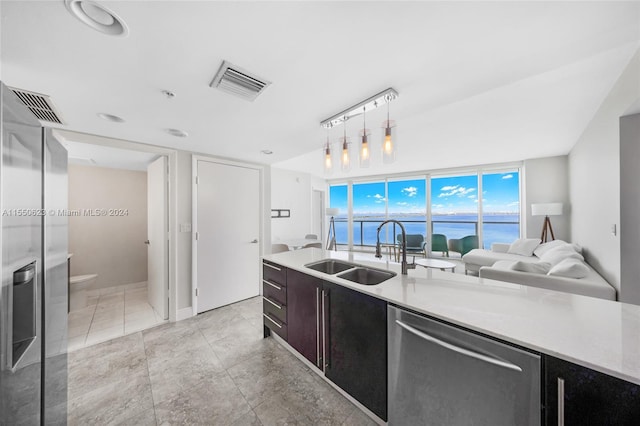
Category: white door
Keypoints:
(228, 225)
(157, 237)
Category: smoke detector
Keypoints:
(237, 81)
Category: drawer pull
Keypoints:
(274, 304)
(560, 401)
(269, 318)
(277, 287)
(272, 267)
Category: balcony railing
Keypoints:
(364, 230)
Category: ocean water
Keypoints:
(452, 226)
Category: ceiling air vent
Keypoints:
(40, 105)
(235, 80)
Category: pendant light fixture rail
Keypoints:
(368, 104)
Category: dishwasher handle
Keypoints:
(458, 349)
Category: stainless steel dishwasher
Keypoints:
(444, 375)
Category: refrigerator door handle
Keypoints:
(458, 349)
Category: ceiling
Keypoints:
(478, 82)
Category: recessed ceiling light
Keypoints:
(110, 117)
(177, 132)
(97, 16)
(266, 152)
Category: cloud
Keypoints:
(437, 206)
(379, 197)
(514, 204)
(471, 196)
(509, 176)
(448, 188)
(402, 203)
(457, 190)
(410, 191)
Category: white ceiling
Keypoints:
(87, 154)
(479, 82)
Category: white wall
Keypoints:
(630, 209)
(594, 177)
(547, 181)
(291, 190)
(110, 246)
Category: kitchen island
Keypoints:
(598, 334)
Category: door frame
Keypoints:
(171, 205)
(166, 242)
(263, 233)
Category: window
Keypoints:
(338, 199)
(407, 204)
(369, 210)
(454, 205)
(500, 207)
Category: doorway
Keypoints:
(119, 267)
(227, 225)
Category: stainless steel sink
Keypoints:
(330, 266)
(367, 276)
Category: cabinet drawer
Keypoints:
(276, 326)
(275, 292)
(274, 309)
(274, 273)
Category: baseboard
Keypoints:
(184, 313)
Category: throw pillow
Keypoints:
(532, 267)
(570, 268)
(545, 247)
(558, 254)
(524, 246)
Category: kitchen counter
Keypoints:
(596, 333)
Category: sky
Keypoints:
(455, 194)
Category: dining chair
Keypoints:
(311, 237)
(439, 243)
(317, 245)
(278, 248)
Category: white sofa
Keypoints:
(498, 264)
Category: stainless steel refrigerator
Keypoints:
(33, 301)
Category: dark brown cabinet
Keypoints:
(356, 345)
(577, 395)
(304, 294)
(274, 299)
(342, 332)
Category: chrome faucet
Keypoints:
(404, 265)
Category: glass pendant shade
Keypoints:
(345, 154)
(327, 158)
(365, 148)
(389, 142)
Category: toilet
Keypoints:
(78, 285)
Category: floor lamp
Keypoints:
(331, 235)
(546, 210)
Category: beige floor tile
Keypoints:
(75, 343)
(190, 373)
(104, 335)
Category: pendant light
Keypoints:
(389, 140)
(365, 150)
(345, 156)
(328, 160)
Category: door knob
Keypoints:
(255, 241)
(146, 242)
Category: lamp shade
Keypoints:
(332, 211)
(546, 209)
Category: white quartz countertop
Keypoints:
(596, 333)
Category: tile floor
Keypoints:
(111, 312)
(213, 369)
